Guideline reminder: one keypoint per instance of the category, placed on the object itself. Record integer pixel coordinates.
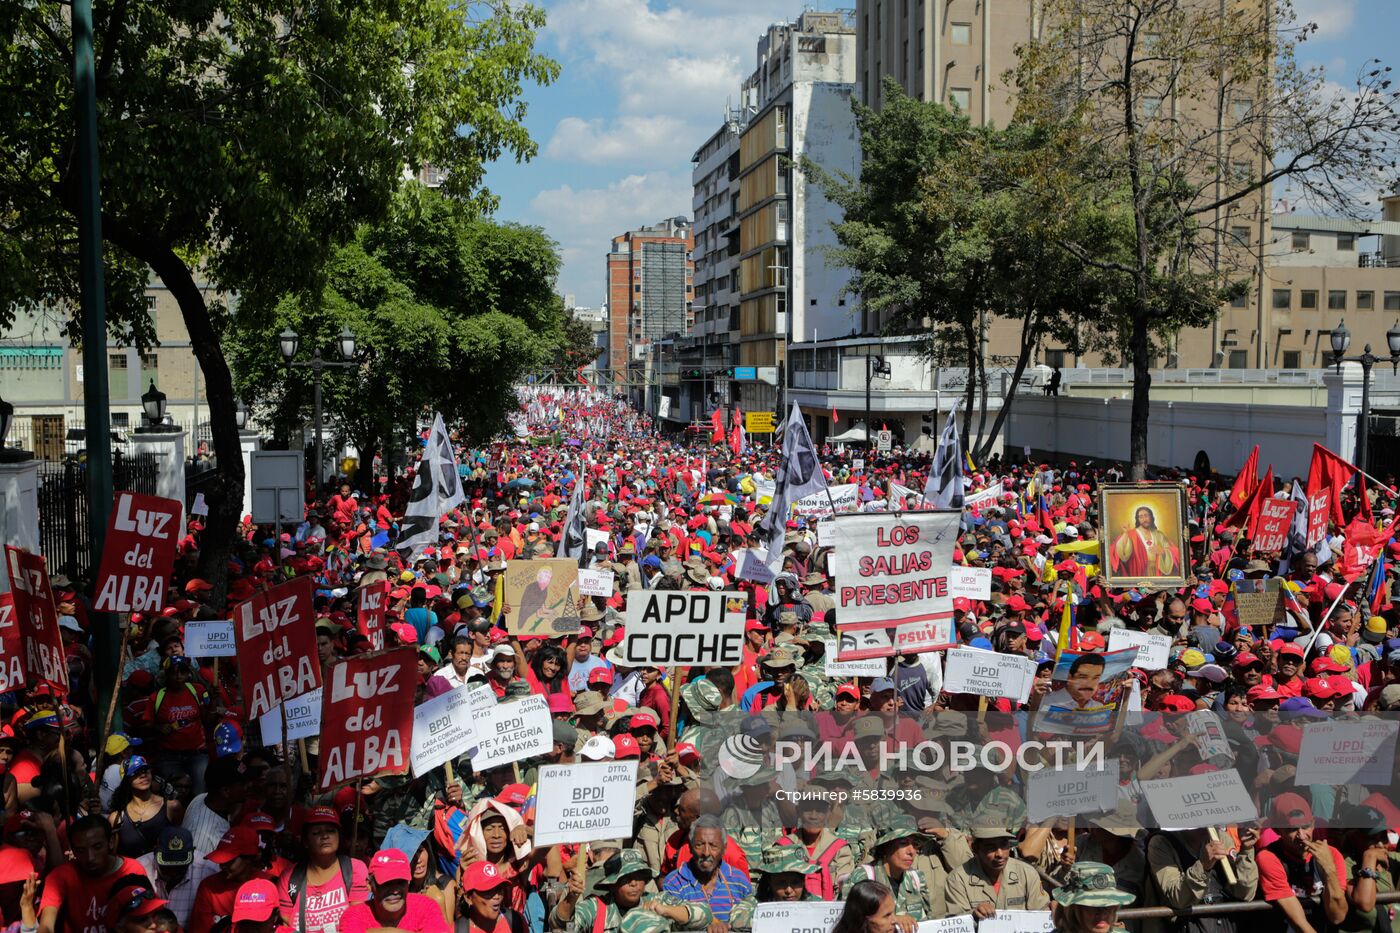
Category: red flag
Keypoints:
(138, 554)
(1327, 475)
(37, 616)
(736, 439)
(834, 418)
(1364, 507)
(367, 716)
(276, 634)
(1265, 490)
(1247, 479)
(371, 605)
(717, 422)
(1247, 514)
(738, 418)
(1362, 546)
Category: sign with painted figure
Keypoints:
(138, 553)
(1094, 684)
(989, 673)
(1196, 801)
(891, 569)
(210, 639)
(443, 729)
(507, 732)
(303, 719)
(585, 802)
(277, 646)
(861, 644)
(1347, 752)
(666, 627)
(542, 597)
(1144, 525)
(1069, 792)
(367, 716)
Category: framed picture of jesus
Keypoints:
(1144, 534)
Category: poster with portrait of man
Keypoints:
(541, 597)
(1144, 533)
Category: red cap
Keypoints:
(132, 901)
(850, 690)
(600, 675)
(481, 876)
(389, 865)
(1286, 738)
(1091, 641)
(1177, 703)
(1262, 692)
(240, 840)
(1290, 810)
(256, 900)
(323, 815)
(1325, 665)
(407, 633)
(1201, 604)
(259, 822)
(514, 795)
(753, 625)
(1290, 648)
(626, 746)
(1245, 657)
(1325, 687)
(642, 721)
(1017, 604)
(198, 585)
(688, 754)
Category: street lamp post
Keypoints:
(1341, 340)
(873, 365)
(288, 343)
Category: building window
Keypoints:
(1292, 359)
(1392, 301)
(1307, 299)
(1240, 235)
(1365, 301)
(1301, 240)
(1283, 299)
(121, 419)
(1346, 242)
(904, 63)
(1239, 109)
(1336, 300)
(961, 34)
(1239, 172)
(960, 97)
(1239, 359)
(1055, 359)
(1240, 301)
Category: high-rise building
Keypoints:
(797, 105)
(649, 288)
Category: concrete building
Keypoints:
(798, 104)
(649, 288)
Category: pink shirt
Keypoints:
(327, 902)
(422, 915)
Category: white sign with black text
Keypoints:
(797, 916)
(507, 732)
(585, 802)
(210, 639)
(1347, 752)
(595, 583)
(303, 719)
(970, 582)
(665, 627)
(1195, 801)
(443, 729)
(989, 673)
(1154, 649)
(1069, 792)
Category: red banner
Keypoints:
(276, 633)
(139, 553)
(367, 716)
(1271, 527)
(37, 616)
(11, 646)
(370, 608)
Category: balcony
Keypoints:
(1377, 261)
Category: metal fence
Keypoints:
(64, 506)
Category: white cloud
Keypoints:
(632, 138)
(584, 221)
(1334, 18)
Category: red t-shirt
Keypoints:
(326, 902)
(183, 708)
(82, 901)
(214, 901)
(25, 767)
(1274, 881)
(422, 915)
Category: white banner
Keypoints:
(210, 640)
(443, 729)
(1347, 752)
(507, 732)
(983, 497)
(970, 582)
(1018, 921)
(797, 916)
(864, 643)
(959, 924)
(1069, 792)
(594, 537)
(1195, 801)
(595, 583)
(1154, 650)
(845, 497)
(303, 719)
(928, 635)
(585, 802)
(870, 667)
(665, 627)
(891, 569)
(989, 674)
(826, 533)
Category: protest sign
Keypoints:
(983, 497)
(959, 924)
(1347, 752)
(763, 490)
(1208, 733)
(797, 916)
(1094, 685)
(857, 464)
(928, 635)
(825, 533)
(1195, 801)
(542, 597)
(303, 719)
(1271, 528)
(371, 609)
(594, 537)
(989, 674)
(970, 582)
(892, 569)
(210, 639)
(864, 643)
(1259, 603)
(443, 729)
(1153, 649)
(585, 802)
(276, 646)
(507, 732)
(753, 568)
(1069, 792)
(37, 617)
(1018, 921)
(138, 553)
(845, 498)
(11, 646)
(367, 716)
(870, 667)
(595, 583)
(199, 506)
(666, 627)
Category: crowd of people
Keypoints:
(185, 819)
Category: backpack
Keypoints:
(296, 880)
(820, 883)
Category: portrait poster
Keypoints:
(1145, 532)
(542, 597)
(1091, 688)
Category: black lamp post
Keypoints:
(153, 404)
(240, 415)
(874, 365)
(10, 454)
(1341, 340)
(289, 342)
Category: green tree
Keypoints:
(1188, 114)
(450, 311)
(240, 140)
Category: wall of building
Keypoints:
(824, 130)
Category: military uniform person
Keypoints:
(913, 893)
(1089, 884)
(639, 919)
(1018, 887)
(781, 865)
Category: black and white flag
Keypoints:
(574, 541)
(437, 490)
(944, 489)
(799, 475)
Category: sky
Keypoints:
(645, 82)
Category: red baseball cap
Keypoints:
(1290, 810)
(1262, 692)
(514, 795)
(688, 754)
(256, 900)
(389, 865)
(850, 690)
(481, 876)
(1177, 703)
(642, 720)
(626, 746)
(1246, 658)
(1017, 604)
(1291, 649)
(322, 815)
(238, 841)
(600, 675)
(1325, 665)
(259, 822)
(1287, 738)
(1091, 641)
(132, 901)
(1201, 604)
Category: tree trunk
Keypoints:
(1028, 327)
(970, 336)
(1142, 385)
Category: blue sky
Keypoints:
(645, 82)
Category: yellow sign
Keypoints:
(758, 422)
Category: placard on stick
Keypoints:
(1259, 603)
(585, 802)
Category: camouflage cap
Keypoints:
(1092, 884)
(778, 860)
(901, 826)
(625, 863)
(702, 698)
